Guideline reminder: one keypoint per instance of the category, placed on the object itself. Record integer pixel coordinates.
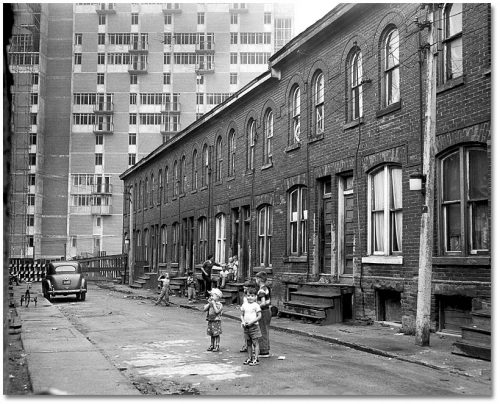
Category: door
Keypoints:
(245, 244)
(325, 227)
(346, 225)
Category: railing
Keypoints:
(105, 8)
(138, 46)
(102, 189)
(104, 107)
(207, 46)
(171, 107)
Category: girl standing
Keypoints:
(214, 317)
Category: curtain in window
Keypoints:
(397, 206)
(378, 211)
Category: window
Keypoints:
(78, 58)
(297, 221)
(146, 245)
(234, 38)
(30, 220)
(32, 139)
(34, 79)
(133, 79)
(391, 67)
(176, 178)
(31, 199)
(163, 242)
(100, 78)
(202, 239)
(319, 103)
(268, 137)
(131, 159)
(232, 152)
(34, 98)
(32, 159)
(31, 241)
(265, 229)
(168, 19)
(464, 190)
(101, 58)
(166, 58)
(98, 159)
(233, 78)
(199, 98)
(205, 167)
(355, 72)
(295, 112)
(78, 39)
(134, 19)
(220, 238)
(175, 242)
(99, 139)
(152, 191)
(31, 180)
(182, 175)
(101, 39)
(145, 193)
(200, 80)
(233, 58)
(133, 98)
(201, 18)
(102, 19)
(194, 170)
(251, 136)
(33, 119)
(166, 78)
(218, 154)
(267, 18)
(132, 139)
(385, 203)
(234, 18)
(132, 119)
(452, 42)
(165, 191)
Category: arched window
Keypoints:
(319, 103)
(165, 193)
(163, 241)
(385, 201)
(176, 179)
(135, 196)
(297, 220)
(265, 232)
(146, 246)
(175, 242)
(202, 239)
(205, 167)
(138, 246)
(152, 191)
(251, 136)
(452, 42)
(220, 238)
(182, 188)
(390, 59)
(194, 171)
(268, 134)
(464, 198)
(218, 154)
(139, 196)
(355, 71)
(232, 152)
(295, 113)
(146, 193)
(160, 186)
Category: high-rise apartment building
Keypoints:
(104, 85)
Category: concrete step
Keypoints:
(476, 335)
(481, 319)
(136, 285)
(286, 313)
(324, 297)
(478, 351)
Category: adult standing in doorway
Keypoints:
(264, 301)
(206, 274)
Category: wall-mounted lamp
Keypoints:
(127, 242)
(417, 182)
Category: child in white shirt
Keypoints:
(250, 316)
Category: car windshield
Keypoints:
(65, 268)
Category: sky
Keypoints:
(307, 12)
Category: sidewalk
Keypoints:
(379, 339)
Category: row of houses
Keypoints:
(305, 173)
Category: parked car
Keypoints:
(64, 278)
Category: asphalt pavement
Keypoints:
(47, 349)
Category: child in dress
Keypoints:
(214, 317)
(191, 287)
(165, 287)
(250, 316)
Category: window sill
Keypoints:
(383, 259)
(266, 166)
(218, 182)
(267, 270)
(194, 191)
(232, 178)
(316, 138)
(249, 172)
(389, 109)
(450, 84)
(203, 188)
(293, 258)
(293, 147)
(353, 124)
(182, 195)
(466, 261)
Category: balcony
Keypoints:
(138, 47)
(173, 108)
(204, 68)
(103, 128)
(205, 47)
(170, 129)
(102, 189)
(171, 8)
(105, 8)
(103, 108)
(101, 210)
(239, 8)
(138, 67)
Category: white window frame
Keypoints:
(220, 238)
(268, 137)
(295, 112)
(452, 41)
(355, 86)
(319, 103)
(202, 239)
(391, 67)
(297, 221)
(265, 233)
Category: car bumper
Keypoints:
(66, 291)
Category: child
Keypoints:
(250, 316)
(214, 316)
(246, 285)
(191, 287)
(264, 300)
(222, 277)
(235, 268)
(165, 286)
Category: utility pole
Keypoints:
(429, 168)
(130, 256)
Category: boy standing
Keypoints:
(264, 300)
(250, 316)
(191, 287)
(165, 287)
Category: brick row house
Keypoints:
(305, 172)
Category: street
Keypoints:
(162, 350)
